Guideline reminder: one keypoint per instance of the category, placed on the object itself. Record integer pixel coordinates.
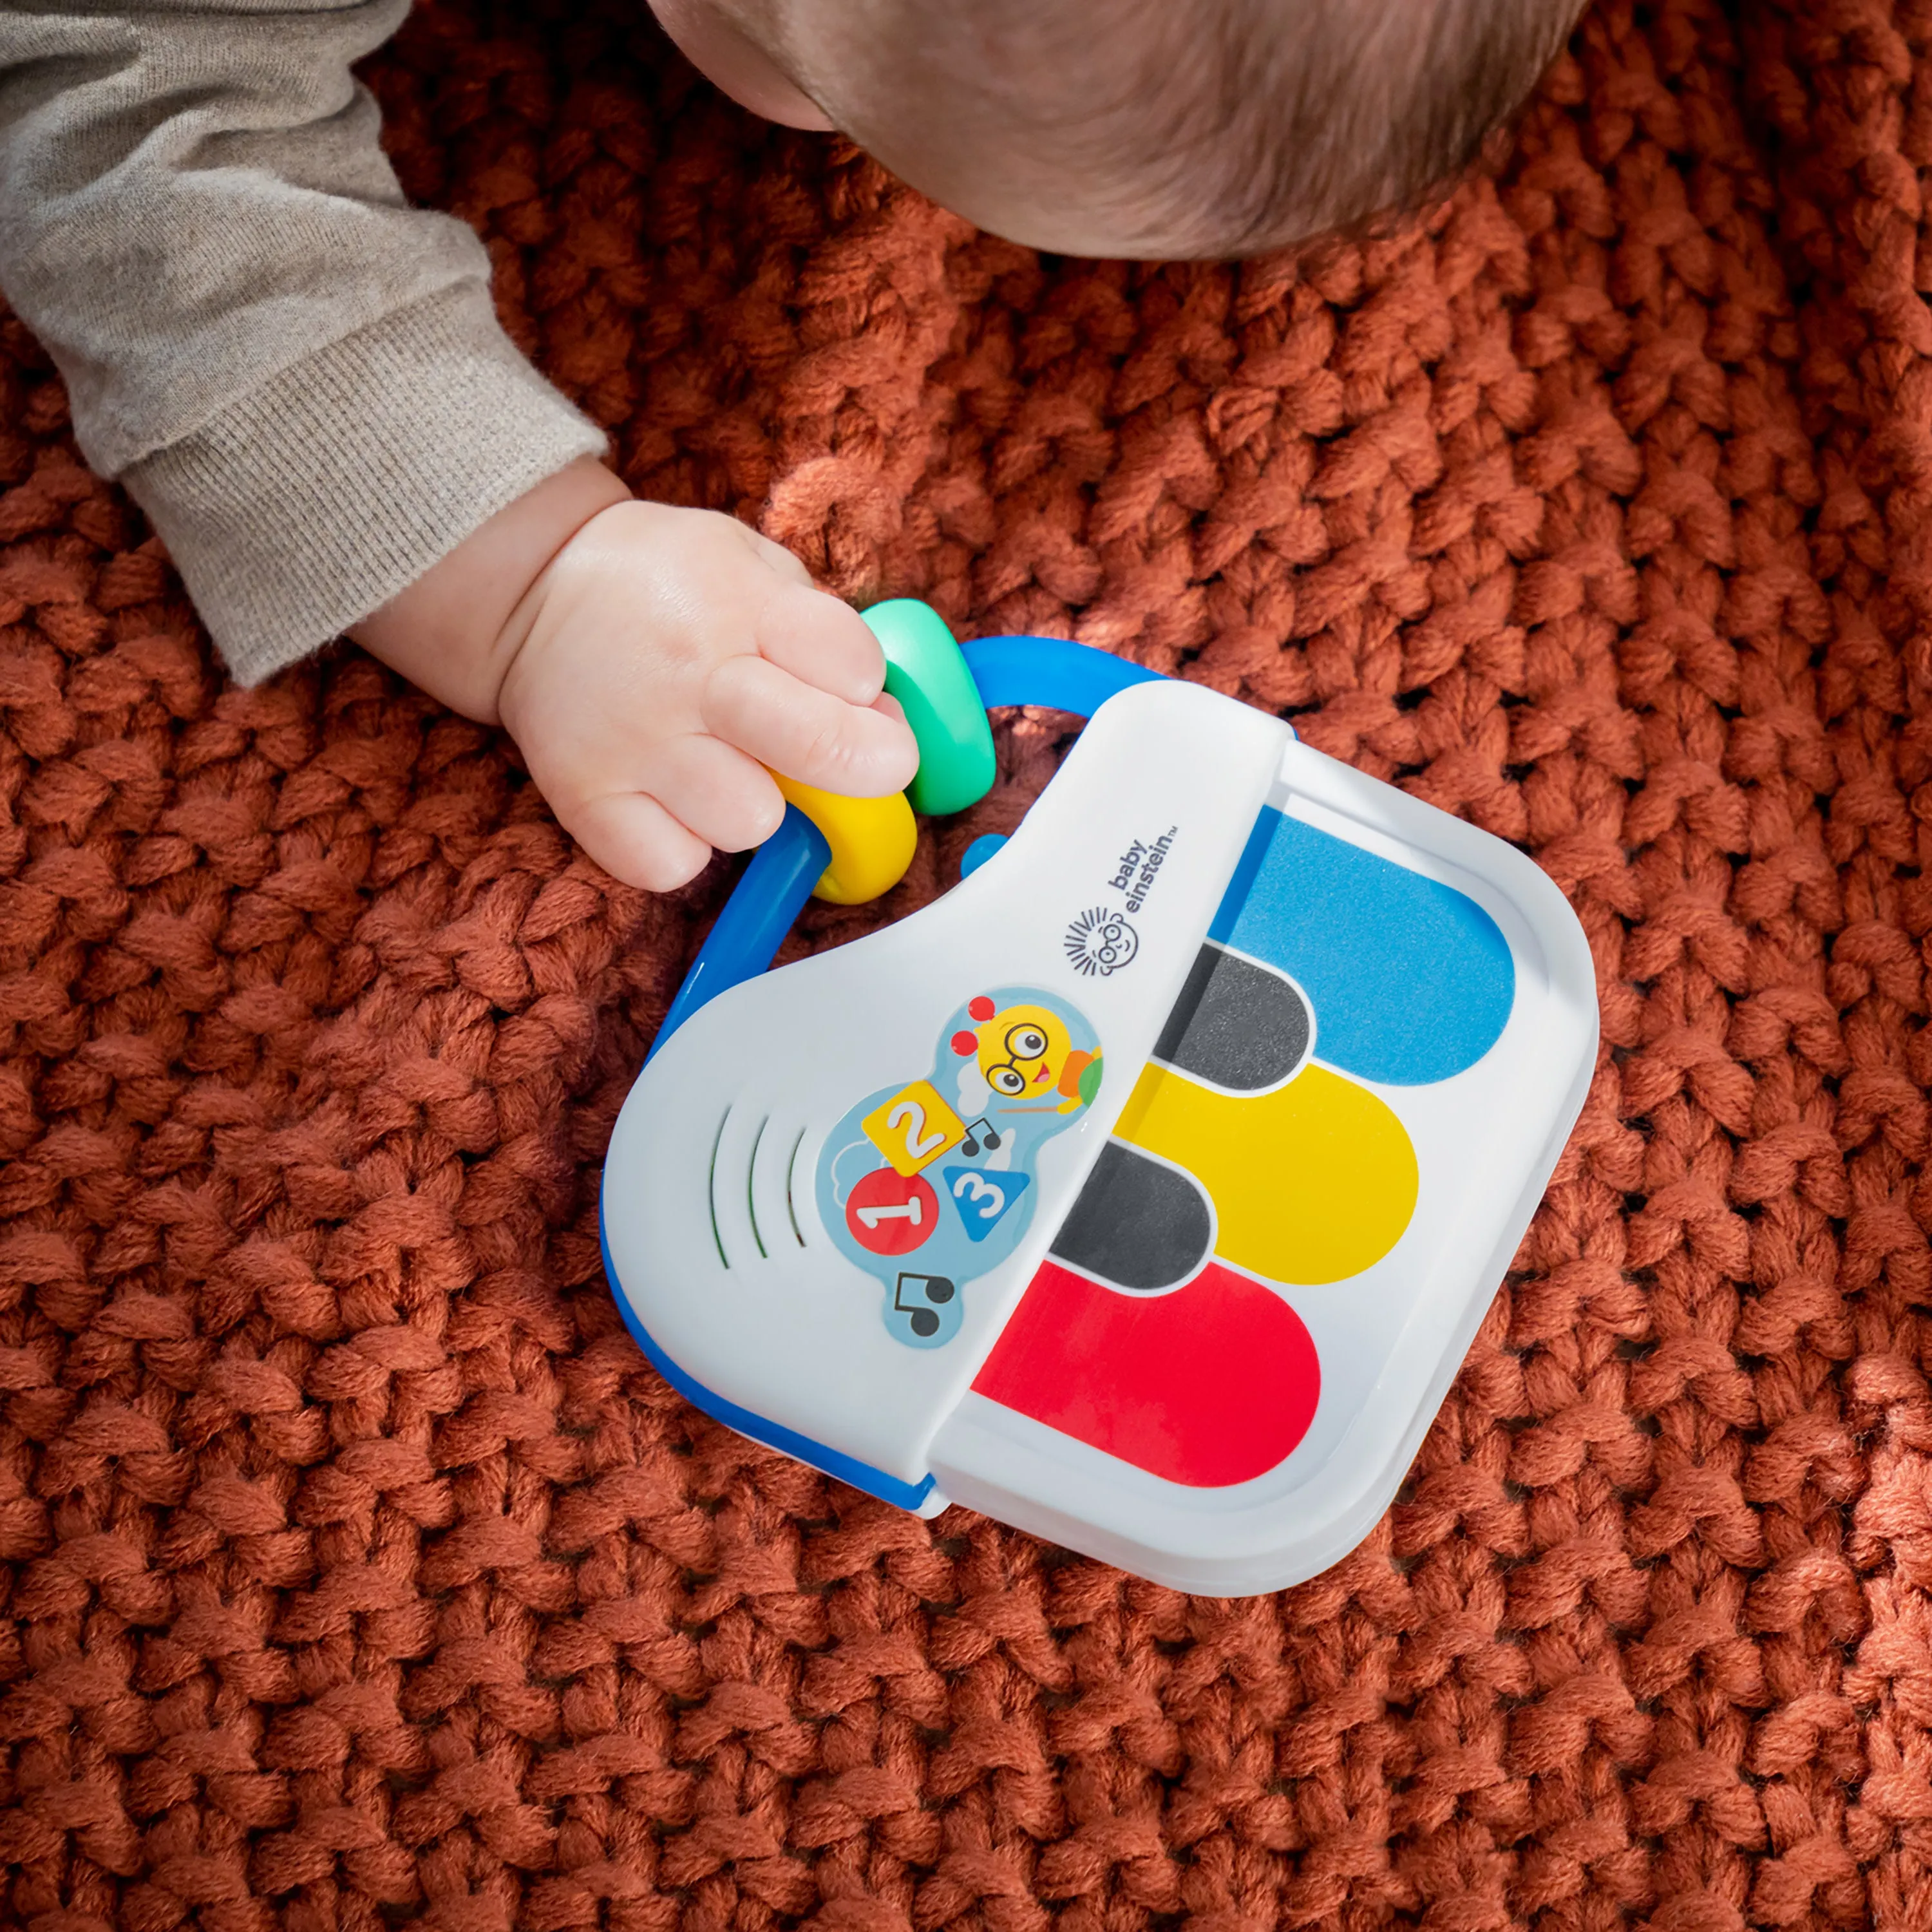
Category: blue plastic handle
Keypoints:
(1052, 673)
(755, 919)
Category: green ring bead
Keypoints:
(926, 672)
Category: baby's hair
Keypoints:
(1312, 116)
(1226, 127)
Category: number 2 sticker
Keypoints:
(913, 1128)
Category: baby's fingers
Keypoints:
(822, 643)
(635, 839)
(717, 792)
(704, 794)
(809, 735)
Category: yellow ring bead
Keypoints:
(872, 840)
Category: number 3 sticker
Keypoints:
(982, 1198)
(975, 1187)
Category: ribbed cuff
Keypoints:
(320, 495)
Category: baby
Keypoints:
(302, 381)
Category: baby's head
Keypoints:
(1152, 129)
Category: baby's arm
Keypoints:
(299, 378)
(303, 382)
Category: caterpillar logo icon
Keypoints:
(1100, 941)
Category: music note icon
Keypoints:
(925, 1304)
(979, 1133)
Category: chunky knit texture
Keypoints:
(358, 1574)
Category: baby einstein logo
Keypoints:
(1134, 874)
(1101, 941)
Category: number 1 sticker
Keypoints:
(889, 1213)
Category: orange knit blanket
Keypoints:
(357, 1572)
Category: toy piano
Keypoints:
(1145, 1190)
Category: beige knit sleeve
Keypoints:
(299, 378)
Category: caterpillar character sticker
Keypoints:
(927, 1186)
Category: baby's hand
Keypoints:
(667, 657)
(655, 665)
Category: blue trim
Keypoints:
(773, 1436)
(1053, 673)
